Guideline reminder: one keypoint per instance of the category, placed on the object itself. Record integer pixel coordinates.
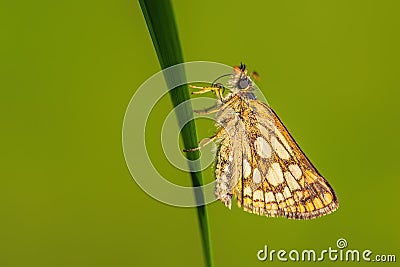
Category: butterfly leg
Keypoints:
(205, 141)
(217, 89)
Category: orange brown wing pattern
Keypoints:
(262, 166)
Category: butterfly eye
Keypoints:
(243, 83)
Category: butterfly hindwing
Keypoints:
(261, 165)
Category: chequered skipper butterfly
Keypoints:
(258, 161)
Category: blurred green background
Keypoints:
(330, 69)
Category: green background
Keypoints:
(330, 69)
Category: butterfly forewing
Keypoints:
(260, 164)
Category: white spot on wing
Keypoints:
(269, 197)
(262, 147)
(247, 191)
(258, 195)
(292, 183)
(295, 170)
(286, 192)
(275, 175)
(278, 148)
(256, 176)
(279, 197)
(246, 168)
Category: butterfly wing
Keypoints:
(263, 167)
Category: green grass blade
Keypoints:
(160, 21)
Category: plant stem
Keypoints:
(160, 21)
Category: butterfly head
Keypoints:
(240, 79)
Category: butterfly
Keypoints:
(258, 162)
